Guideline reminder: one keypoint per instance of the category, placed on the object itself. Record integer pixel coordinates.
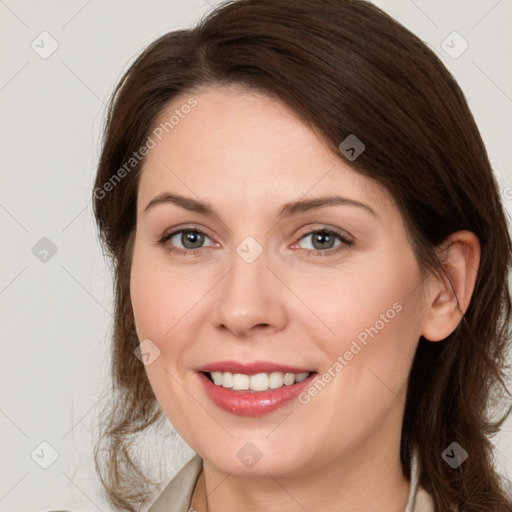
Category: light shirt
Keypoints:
(177, 495)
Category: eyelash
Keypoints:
(346, 242)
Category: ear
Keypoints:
(448, 297)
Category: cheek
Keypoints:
(161, 299)
(374, 317)
(156, 313)
(161, 302)
(151, 306)
(360, 301)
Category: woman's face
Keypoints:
(259, 292)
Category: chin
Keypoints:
(246, 459)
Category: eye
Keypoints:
(190, 240)
(326, 241)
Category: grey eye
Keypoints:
(322, 240)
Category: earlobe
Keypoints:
(448, 296)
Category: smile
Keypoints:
(252, 389)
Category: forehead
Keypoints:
(239, 143)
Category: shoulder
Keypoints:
(178, 492)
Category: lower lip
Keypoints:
(256, 403)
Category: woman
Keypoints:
(311, 264)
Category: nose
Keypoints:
(250, 299)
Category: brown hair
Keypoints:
(344, 67)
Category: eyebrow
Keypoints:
(287, 210)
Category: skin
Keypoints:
(246, 155)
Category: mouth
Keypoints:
(252, 389)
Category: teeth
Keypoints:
(240, 381)
(257, 382)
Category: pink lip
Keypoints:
(251, 403)
(251, 368)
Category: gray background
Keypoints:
(55, 309)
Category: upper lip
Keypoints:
(251, 368)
